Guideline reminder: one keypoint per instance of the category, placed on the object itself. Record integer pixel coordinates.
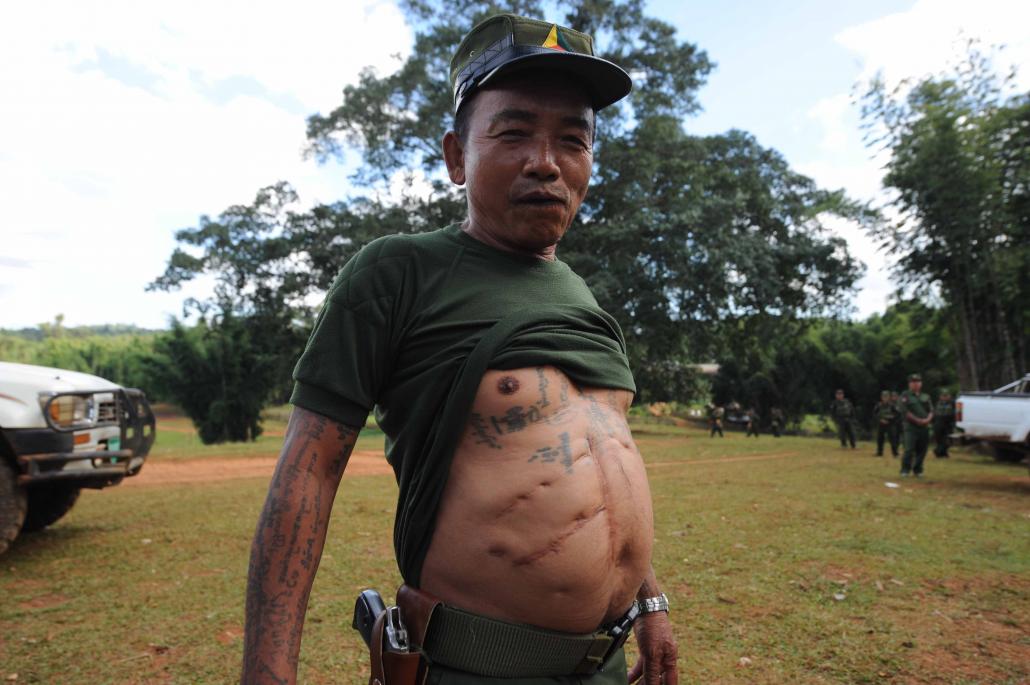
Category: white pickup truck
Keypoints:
(61, 431)
(1000, 418)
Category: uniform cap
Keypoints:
(506, 43)
(885, 393)
(914, 377)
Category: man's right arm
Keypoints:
(288, 544)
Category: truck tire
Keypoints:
(13, 504)
(47, 504)
(1008, 454)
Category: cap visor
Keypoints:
(606, 82)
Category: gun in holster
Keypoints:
(394, 647)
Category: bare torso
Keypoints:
(546, 518)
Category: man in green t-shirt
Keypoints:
(752, 422)
(943, 423)
(896, 424)
(885, 413)
(776, 421)
(917, 413)
(843, 414)
(715, 416)
(524, 526)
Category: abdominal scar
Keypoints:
(555, 546)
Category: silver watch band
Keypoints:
(653, 604)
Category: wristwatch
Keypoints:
(653, 604)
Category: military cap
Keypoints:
(885, 393)
(914, 377)
(506, 43)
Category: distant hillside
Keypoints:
(50, 331)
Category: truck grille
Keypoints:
(107, 411)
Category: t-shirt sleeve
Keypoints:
(349, 356)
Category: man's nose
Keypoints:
(542, 161)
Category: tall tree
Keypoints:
(959, 169)
(696, 244)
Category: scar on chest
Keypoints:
(508, 385)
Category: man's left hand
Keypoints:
(657, 662)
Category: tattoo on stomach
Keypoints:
(549, 455)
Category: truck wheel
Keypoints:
(47, 504)
(13, 503)
(1009, 455)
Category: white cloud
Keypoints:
(122, 122)
(924, 40)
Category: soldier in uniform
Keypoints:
(776, 420)
(917, 410)
(885, 413)
(843, 414)
(943, 423)
(752, 422)
(895, 432)
(715, 415)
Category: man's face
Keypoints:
(915, 386)
(527, 159)
(840, 394)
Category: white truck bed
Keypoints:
(1000, 417)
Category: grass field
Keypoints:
(786, 561)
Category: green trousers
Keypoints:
(846, 432)
(941, 432)
(917, 440)
(885, 432)
(614, 673)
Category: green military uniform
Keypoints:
(715, 415)
(943, 424)
(843, 413)
(752, 423)
(917, 438)
(895, 427)
(776, 421)
(886, 415)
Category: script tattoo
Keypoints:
(543, 383)
(483, 437)
(288, 545)
(562, 453)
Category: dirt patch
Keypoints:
(44, 601)
(229, 633)
(157, 473)
(954, 643)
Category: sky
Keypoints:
(121, 122)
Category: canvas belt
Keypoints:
(487, 647)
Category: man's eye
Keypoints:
(576, 140)
(513, 133)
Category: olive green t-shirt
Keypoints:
(409, 327)
(916, 404)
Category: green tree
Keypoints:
(695, 244)
(959, 169)
(219, 374)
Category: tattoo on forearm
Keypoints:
(287, 542)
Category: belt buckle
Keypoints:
(621, 630)
(609, 641)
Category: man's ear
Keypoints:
(454, 157)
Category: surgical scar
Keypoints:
(508, 385)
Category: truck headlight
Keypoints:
(68, 410)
